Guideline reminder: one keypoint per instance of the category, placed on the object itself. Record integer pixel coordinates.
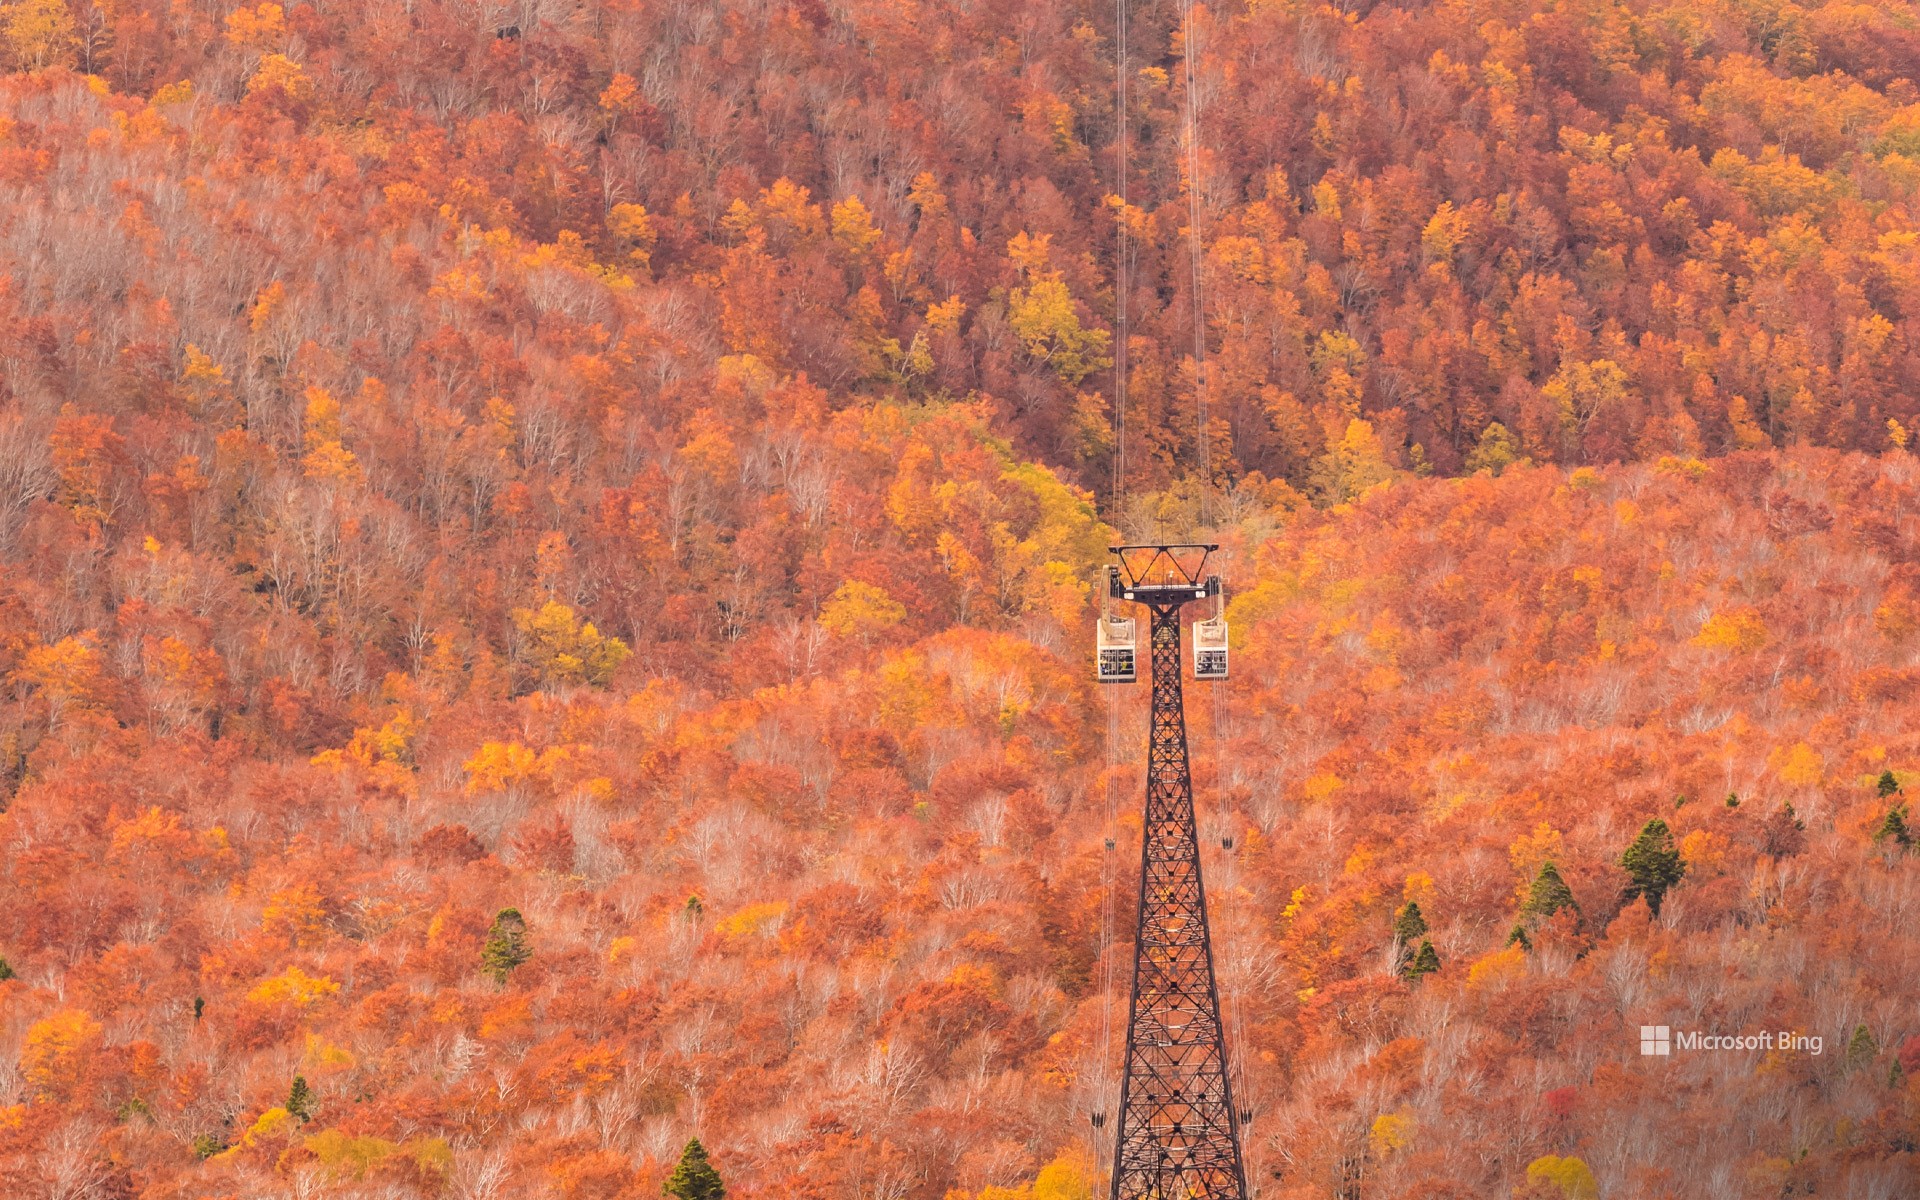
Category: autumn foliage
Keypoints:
(550, 554)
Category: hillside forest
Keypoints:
(550, 555)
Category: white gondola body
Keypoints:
(1118, 652)
(1210, 648)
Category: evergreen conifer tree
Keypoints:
(1861, 1048)
(695, 1178)
(1893, 829)
(300, 1099)
(1409, 924)
(506, 946)
(1548, 895)
(1887, 785)
(1426, 962)
(1653, 864)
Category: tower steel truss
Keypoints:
(1178, 1136)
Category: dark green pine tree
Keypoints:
(1519, 934)
(1894, 829)
(1548, 895)
(506, 946)
(695, 1178)
(6, 970)
(1426, 962)
(300, 1099)
(1861, 1048)
(1888, 785)
(1409, 925)
(1653, 864)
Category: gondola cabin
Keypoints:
(1118, 653)
(1210, 648)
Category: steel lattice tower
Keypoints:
(1179, 1136)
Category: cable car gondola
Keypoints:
(1210, 648)
(1118, 653)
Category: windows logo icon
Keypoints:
(1655, 1039)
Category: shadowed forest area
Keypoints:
(548, 582)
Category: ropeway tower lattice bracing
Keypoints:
(1178, 1135)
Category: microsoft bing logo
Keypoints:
(1661, 1040)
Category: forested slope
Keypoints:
(1615, 229)
(844, 920)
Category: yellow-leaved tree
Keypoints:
(279, 74)
(560, 648)
(1583, 390)
(853, 226)
(632, 226)
(56, 1050)
(327, 456)
(1572, 1176)
(1354, 465)
(294, 988)
(1068, 1177)
(69, 676)
(262, 27)
(39, 33)
(860, 610)
(1390, 1132)
(1741, 631)
(1042, 315)
(1047, 569)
